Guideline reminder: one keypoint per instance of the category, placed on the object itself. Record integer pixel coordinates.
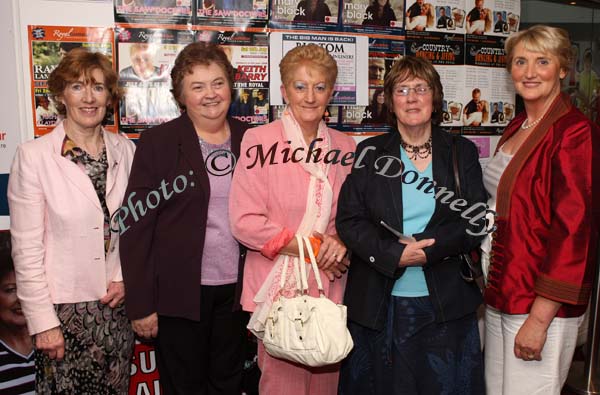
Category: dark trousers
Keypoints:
(414, 355)
(206, 356)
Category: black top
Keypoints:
(161, 252)
(367, 197)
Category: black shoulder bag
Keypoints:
(470, 263)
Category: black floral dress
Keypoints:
(98, 339)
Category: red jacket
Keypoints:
(548, 215)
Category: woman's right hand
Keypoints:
(413, 254)
(51, 343)
(146, 327)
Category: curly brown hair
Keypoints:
(78, 63)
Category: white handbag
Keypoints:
(308, 330)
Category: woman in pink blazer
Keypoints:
(275, 195)
(62, 190)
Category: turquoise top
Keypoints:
(418, 207)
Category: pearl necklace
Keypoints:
(531, 124)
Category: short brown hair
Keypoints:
(312, 54)
(543, 39)
(79, 62)
(194, 54)
(414, 67)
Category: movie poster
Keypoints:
(153, 11)
(446, 52)
(490, 99)
(249, 55)
(48, 45)
(435, 16)
(145, 59)
(240, 13)
(315, 15)
(350, 53)
(371, 16)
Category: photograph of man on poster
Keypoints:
(443, 18)
(377, 70)
(500, 26)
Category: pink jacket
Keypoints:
(57, 226)
(266, 202)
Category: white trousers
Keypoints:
(507, 375)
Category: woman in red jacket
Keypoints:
(543, 181)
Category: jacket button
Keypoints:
(371, 259)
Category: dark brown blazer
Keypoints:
(161, 245)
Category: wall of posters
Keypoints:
(48, 44)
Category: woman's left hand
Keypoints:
(530, 340)
(331, 252)
(115, 294)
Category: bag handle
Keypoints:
(313, 264)
(300, 269)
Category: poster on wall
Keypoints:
(446, 53)
(373, 118)
(315, 15)
(490, 100)
(435, 16)
(249, 55)
(239, 13)
(350, 53)
(145, 59)
(373, 16)
(144, 377)
(492, 17)
(153, 11)
(47, 46)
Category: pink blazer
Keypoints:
(57, 226)
(268, 201)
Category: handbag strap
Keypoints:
(300, 268)
(455, 166)
(313, 264)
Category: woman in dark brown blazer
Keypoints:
(180, 261)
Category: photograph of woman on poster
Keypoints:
(312, 11)
(379, 13)
(422, 21)
(376, 111)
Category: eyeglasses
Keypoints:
(420, 90)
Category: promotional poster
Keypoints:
(145, 59)
(48, 45)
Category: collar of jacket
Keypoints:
(559, 107)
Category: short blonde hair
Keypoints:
(311, 54)
(542, 39)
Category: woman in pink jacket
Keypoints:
(62, 190)
(287, 182)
